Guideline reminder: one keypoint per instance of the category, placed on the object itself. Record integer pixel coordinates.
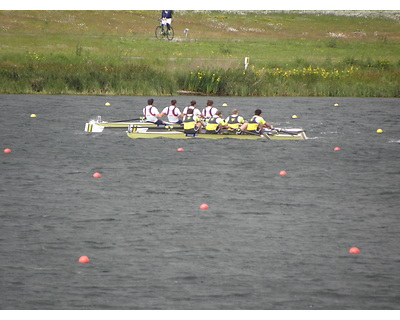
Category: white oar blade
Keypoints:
(93, 127)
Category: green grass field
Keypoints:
(116, 53)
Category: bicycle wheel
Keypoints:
(170, 33)
(159, 32)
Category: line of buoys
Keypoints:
(353, 250)
(84, 259)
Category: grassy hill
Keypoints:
(115, 52)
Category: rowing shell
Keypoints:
(289, 134)
(99, 125)
(143, 129)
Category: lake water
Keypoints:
(267, 242)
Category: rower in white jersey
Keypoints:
(193, 106)
(173, 113)
(209, 111)
(151, 113)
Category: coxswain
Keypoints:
(216, 124)
(191, 123)
(256, 124)
(173, 113)
(151, 113)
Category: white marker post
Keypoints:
(246, 63)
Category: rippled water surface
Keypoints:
(266, 242)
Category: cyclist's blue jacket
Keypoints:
(167, 14)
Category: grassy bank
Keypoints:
(115, 52)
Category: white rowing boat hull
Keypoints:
(99, 126)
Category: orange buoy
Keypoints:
(204, 206)
(96, 175)
(354, 250)
(6, 150)
(283, 173)
(84, 259)
(336, 149)
(181, 149)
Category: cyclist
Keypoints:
(166, 18)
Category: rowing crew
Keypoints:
(209, 118)
(175, 116)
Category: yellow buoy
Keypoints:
(108, 104)
(224, 104)
(33, 115)
(294, 116)
(379, 131)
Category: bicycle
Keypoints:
(162, 31)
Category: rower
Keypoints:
(216, 124)
(234, 120)
(196, 112)
(151, 113)
(256, 124)
(191, 123)
(173, 113)
(209, 111)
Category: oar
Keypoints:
(266, 136)
(249, 132)
(128, 120)
(256, 134)
(161, 128)
(293, 133)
